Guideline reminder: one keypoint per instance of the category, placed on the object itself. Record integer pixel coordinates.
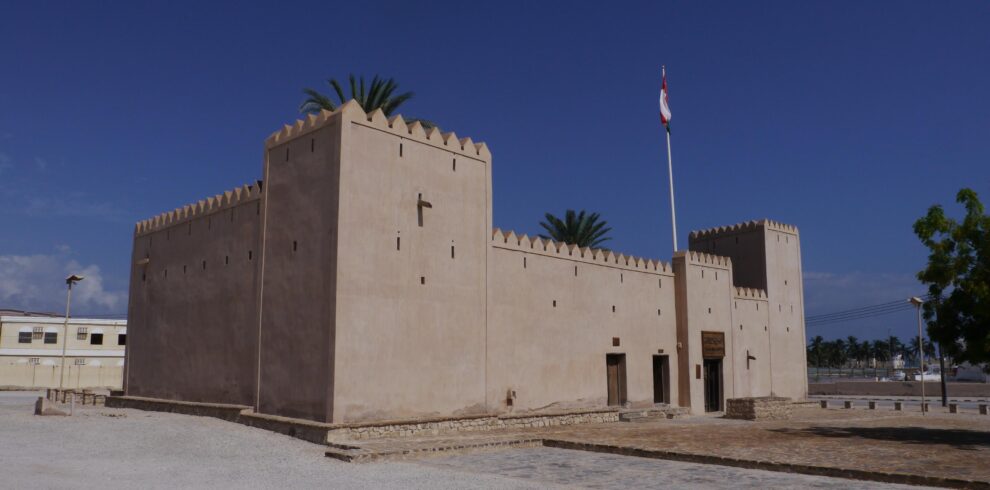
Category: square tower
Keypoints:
(375, 238)
(767, 255)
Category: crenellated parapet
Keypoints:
(708, 259)
(551, 248)
(396, 125)
(210, 205)
(744, 227)
(750, 293)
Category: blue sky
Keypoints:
(847, 119)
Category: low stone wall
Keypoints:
(898, 388)
(322, 433)
(84, 397)
(762, 408)
(363, 431)
(223, 411)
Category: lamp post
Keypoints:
(69, 281)
(916, 301)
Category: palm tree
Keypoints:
(880, 350)
(852, 349)
(581, 229)
(929, 349)
(379, 95)
(815, 349)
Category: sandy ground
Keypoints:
(117, 448)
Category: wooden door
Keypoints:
(616, 371)
(713, 385)
(661, 380)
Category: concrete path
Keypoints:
(594, 470)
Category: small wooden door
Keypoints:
(713, 385)
(616, 367)
(661, 379)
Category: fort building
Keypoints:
(362, 280)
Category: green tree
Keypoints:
(815, 350)
(581, 229)
(880, 350)
(958, 279)
(913, 349)
(380, 94)
(852, 349)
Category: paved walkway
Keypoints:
(594, 470)
(939, 445)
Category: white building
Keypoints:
(31, 352)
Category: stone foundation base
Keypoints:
(762, 408)
(323, 433)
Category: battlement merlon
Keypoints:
(745, 227)
(705, 259)
(203, 207)
(750, 293)
(396, 125)
(597, 256)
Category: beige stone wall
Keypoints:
(17, 374)
(553, 315)
(411, 293)
(751, 337)
(193, 329)
(704, 304)
(299, 274)
(785, 288)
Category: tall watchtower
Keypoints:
(374, 237)
(767, 255)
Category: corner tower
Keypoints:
(767, 255)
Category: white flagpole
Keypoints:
(670, 172)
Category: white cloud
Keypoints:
(37, 282)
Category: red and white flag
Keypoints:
(664, 103)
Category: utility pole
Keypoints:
(69, 281)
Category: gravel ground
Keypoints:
(120, 448)
(115, 448)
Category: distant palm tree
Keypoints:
(380, 94)
(852, 349)
(581, 229)
(816, 350)
(880, 350)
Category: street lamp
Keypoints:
(917, 302)
(69, 281)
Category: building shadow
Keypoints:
(970, 440)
